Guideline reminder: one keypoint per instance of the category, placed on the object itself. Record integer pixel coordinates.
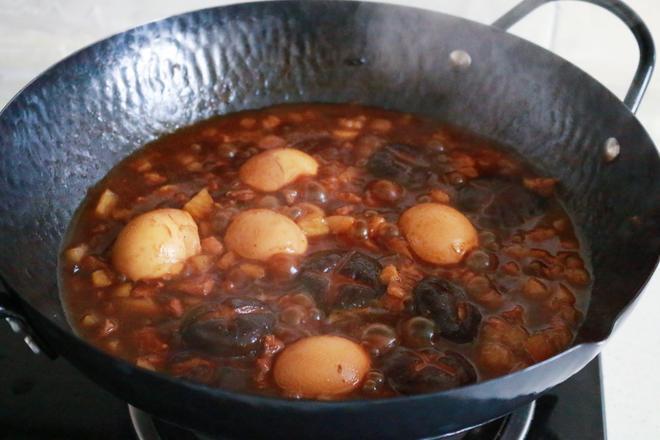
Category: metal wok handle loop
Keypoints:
(9, 311)
(639, 30)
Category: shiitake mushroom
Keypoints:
(359, 274)
(362, 268)
(499, 203)
(445, 303)
(232, 327)
(355, 296)
(421, 371)
(401, 163)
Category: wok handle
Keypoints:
(11, 312)
(639, 30)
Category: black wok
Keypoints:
(70, 125)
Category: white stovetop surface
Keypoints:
(36, 33)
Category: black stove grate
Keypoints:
(512, 427)
(45, 399)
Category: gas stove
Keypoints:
(49, 399)
(513, 427)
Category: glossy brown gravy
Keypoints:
(434, 257)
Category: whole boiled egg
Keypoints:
(155, 244)
(321, 366)
(259, 234)
(438, 233)
(276, 168)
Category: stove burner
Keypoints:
(512, 427)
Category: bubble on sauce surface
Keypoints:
(261, 233)
(438, 233)
(321, 366)
(156, 244)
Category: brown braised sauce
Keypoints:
(514, 299)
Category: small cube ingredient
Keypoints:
(156, 244)
(100, 278)
(339, 224)
(212, 246)
(201, 205)
(123, 290)
(314, 226)
(90, 320)
(440, 196)
(106, 203)
(276, 168)
(321, 366)
(75, 254)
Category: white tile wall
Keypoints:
(36, 33)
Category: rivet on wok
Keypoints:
(355, 61)
(460, 59)
(611, 149)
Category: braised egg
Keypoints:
(155, 244)
(259, 234)
(438, 233)
(321, 366)
(276, 168)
